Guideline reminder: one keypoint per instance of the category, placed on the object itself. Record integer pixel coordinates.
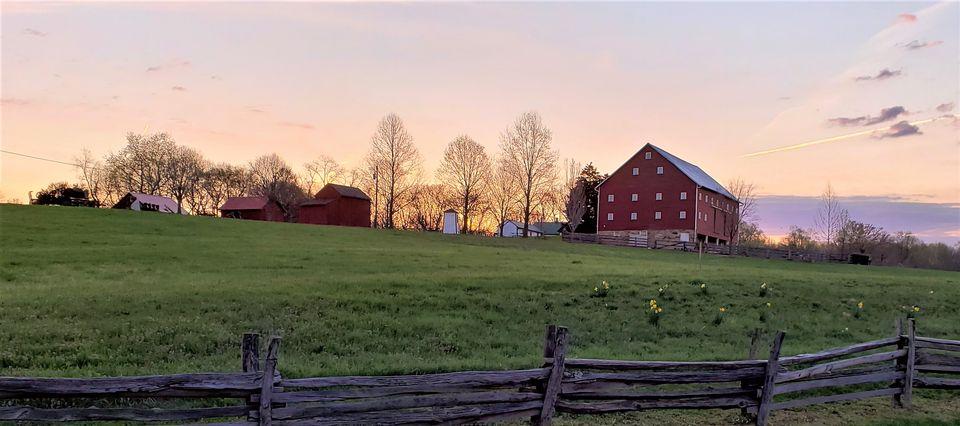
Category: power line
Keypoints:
(39, 158)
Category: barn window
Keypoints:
(683, 195)
(609, 216)
(657, 215)
(659, 196)
(636, 171)
(634, 197)
(683, 214)
(609, 198)
(659, 170)
(648, 155)
(633, 216)
(699, 196)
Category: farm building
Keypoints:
(147, 203)
(337, 205)
(512, 228)
(657, 196)
(552, 228)
(252, 208)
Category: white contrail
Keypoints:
(839, 138)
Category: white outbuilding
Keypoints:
(512, 228)
(450, 225)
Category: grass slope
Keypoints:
(86, 291)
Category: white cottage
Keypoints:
(512, 228)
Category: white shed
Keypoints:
(450, 225)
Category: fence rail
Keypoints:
(709, 248)
(889, 367)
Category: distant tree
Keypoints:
(271, 177)
(184, 171)
(503, 195)
(465, 170)
(591, 178)
(394, 163)
(63, 194)
(576, 204)
(746, 194)
(859, 237)
(799, 239)
(320, 172)
(427, 204)
(141, 165)
(93, 175)
(529, 161)
(829, 217)
(749, 234)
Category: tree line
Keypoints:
(520, 181)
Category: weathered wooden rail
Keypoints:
(889, 367)
(727, 250)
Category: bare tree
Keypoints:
(320, 172)
(93, 173)
(183, 173)
(529, 161)
(576, 204)
(427, 204)
(829, 218)
(220, 182)
(141, 165)
(502, 194)
(395, 163)
(271, 177)
(746, 194)
(464, 170)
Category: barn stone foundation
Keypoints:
(658, 238)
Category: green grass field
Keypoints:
(104, 292)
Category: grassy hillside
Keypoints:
(86, 291)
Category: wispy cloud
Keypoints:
(886, 114)
(898, 130)
(255, 110)
(882, 75)
(304, 126)
(907, 18)
(178, 89)
(14, 102)
(945, 107)
(34, 32)
(169, 65)
(917, 44)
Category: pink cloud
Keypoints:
(907, 18)
(34, 32)
(169, 65)
(178, 89)
(304, 126)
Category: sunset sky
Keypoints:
(709, 82)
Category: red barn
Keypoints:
(337, 205)
(252, 208)
(665, 199)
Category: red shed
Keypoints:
(665, 199)
(252, 208)
(337, 205)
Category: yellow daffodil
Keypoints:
(916, 309)
(596, 289)
(860, 305)
(659, 310)
(703, 286)
(768, 304)
(722, 309)
(764, 285)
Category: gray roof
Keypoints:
(550, 228)
(533, 226)
(349, 191)
(696, 174)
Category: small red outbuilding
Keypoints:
(252, 208)
(337, 205)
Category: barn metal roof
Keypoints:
(349, 191)
(165, 204)
(317, 202)
(244, 203)
(695, 173)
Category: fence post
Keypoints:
(904, 399)
(554, 381)
(250, 352)
(751, 354)
(769, 378)
(266, 383)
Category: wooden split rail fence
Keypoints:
(890, 367)
(727, 250)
